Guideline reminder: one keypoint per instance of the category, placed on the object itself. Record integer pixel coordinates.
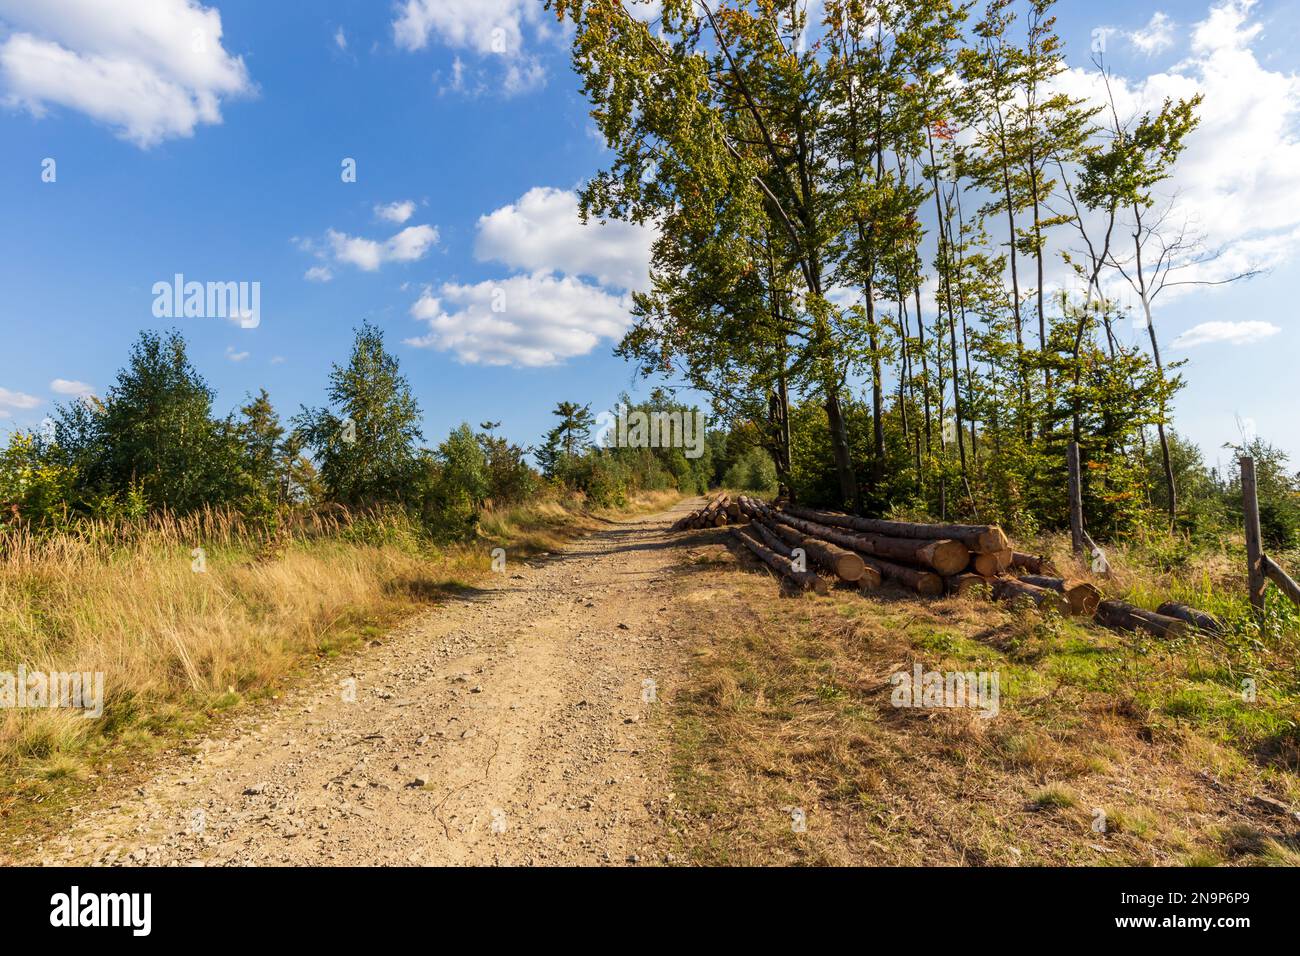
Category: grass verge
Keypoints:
(184, 638)
(1107, 749)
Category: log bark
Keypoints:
(980, 538)
(1125, 617)
(1083, 597)
(1012, 589)
(942, 556)
(992, 564)
(1206, 622)
(925, 583)
(780, 563)
(841, 562)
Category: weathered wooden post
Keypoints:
(1254, 548)
(1076, 498)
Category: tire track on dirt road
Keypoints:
(513, 724)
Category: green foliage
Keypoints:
(803, 190)
(364, 442)
(752, 471)
(1278, 491)
(31, 481)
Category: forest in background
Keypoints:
(152, 444)
(859, 223)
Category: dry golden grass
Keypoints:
(788, 705)
(177, 647)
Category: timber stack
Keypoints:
(928, 559)
(720, 511)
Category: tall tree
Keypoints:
(714, 101)
(364, 442)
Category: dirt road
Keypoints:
(517, 724)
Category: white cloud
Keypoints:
(531, 320)
(64, 386)
(541, 231)
(318, 274)
(457, 84)
(340, 39)
(1233, 333)
(18, 399)
(527, 74)
(485, 26)
(395, 212)
(1156, 37)
(570, 294)
(490, 28)
(369, 254)
(1237, 181)
(235, 356)
(152, 69)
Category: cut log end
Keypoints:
(992, 540)
(967, 584)
(870, 580)
(947, 557)
(992, 563)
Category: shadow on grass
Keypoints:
(435, 590)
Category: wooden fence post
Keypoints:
(1076, 498)
(1254, 549)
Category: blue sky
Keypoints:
(209, 140)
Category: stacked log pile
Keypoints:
(929, 559)
(720, 511)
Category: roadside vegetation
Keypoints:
(1107, 749)
(198, 561)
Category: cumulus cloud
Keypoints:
(369, 254)
(235, 356)
(319, 274)
(489, 28)
(542, 231)
(1156, 37)
(395, 212)
(1237, 181)
(531, 320)
(65, 386)
(569, 293)
(486, 26)
(151, 69)
(17, 399)
(1232, 333)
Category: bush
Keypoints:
(753, 471)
